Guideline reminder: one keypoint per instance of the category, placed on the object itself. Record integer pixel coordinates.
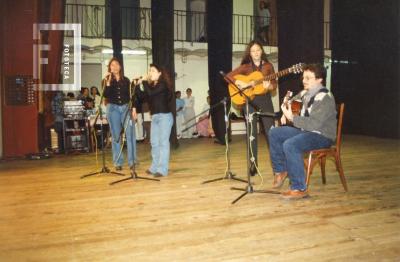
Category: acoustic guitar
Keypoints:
(295, 106)
(255, 84)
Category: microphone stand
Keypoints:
(228, 174)
(104, 169)
(134, 175)
(249, 188)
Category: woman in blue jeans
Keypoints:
(314, 128)
(157, 88)
(118, 95)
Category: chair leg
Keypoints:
(322, 162)
(341, 173)
(309, 169)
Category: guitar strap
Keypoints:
(322, 90)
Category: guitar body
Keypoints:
(251, 92)
(296, 110)
(256, 79)
(295, 106)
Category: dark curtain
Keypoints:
(130, 17)
(300, 38)
(365, 68)
(116, 33)
(162, 41)
(50, 11)
(219, 37)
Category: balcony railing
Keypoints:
(188, 26)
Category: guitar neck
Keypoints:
(274, 76)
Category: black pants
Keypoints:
(264, 103)
(58, 127)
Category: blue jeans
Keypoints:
(287, 148)
(115, 117)
(161, 125)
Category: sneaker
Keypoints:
(149, 172)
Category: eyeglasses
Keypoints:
(307, 78)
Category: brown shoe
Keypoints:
(148, 172)
(294, 194)
(279, 179)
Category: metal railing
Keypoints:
(188, 26)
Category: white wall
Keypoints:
(192, 72)
(90, 75)
(243, 7)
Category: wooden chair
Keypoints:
(320, 155)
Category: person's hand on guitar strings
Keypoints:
(287, 111)
(283, 120)
(267, 85)
(241, 84)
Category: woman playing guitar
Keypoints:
(253, 60)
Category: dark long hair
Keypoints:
(247, 57)
(97, 90)
(164, 75)
(121, 71)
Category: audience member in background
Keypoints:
(264, 17)
(57, 108)
(85, 98)
(203, 126)
(70, 96)
(189, 115)
(95, 95)
(180, 105)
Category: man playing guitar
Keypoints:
(314, 128)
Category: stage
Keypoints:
(49, 214)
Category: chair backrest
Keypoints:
(340, 110)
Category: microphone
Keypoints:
(109, 77)
(138, 78)
(222, 73)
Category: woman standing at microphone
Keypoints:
(157, 87)
(118, 94)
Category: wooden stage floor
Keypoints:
(47, 213)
